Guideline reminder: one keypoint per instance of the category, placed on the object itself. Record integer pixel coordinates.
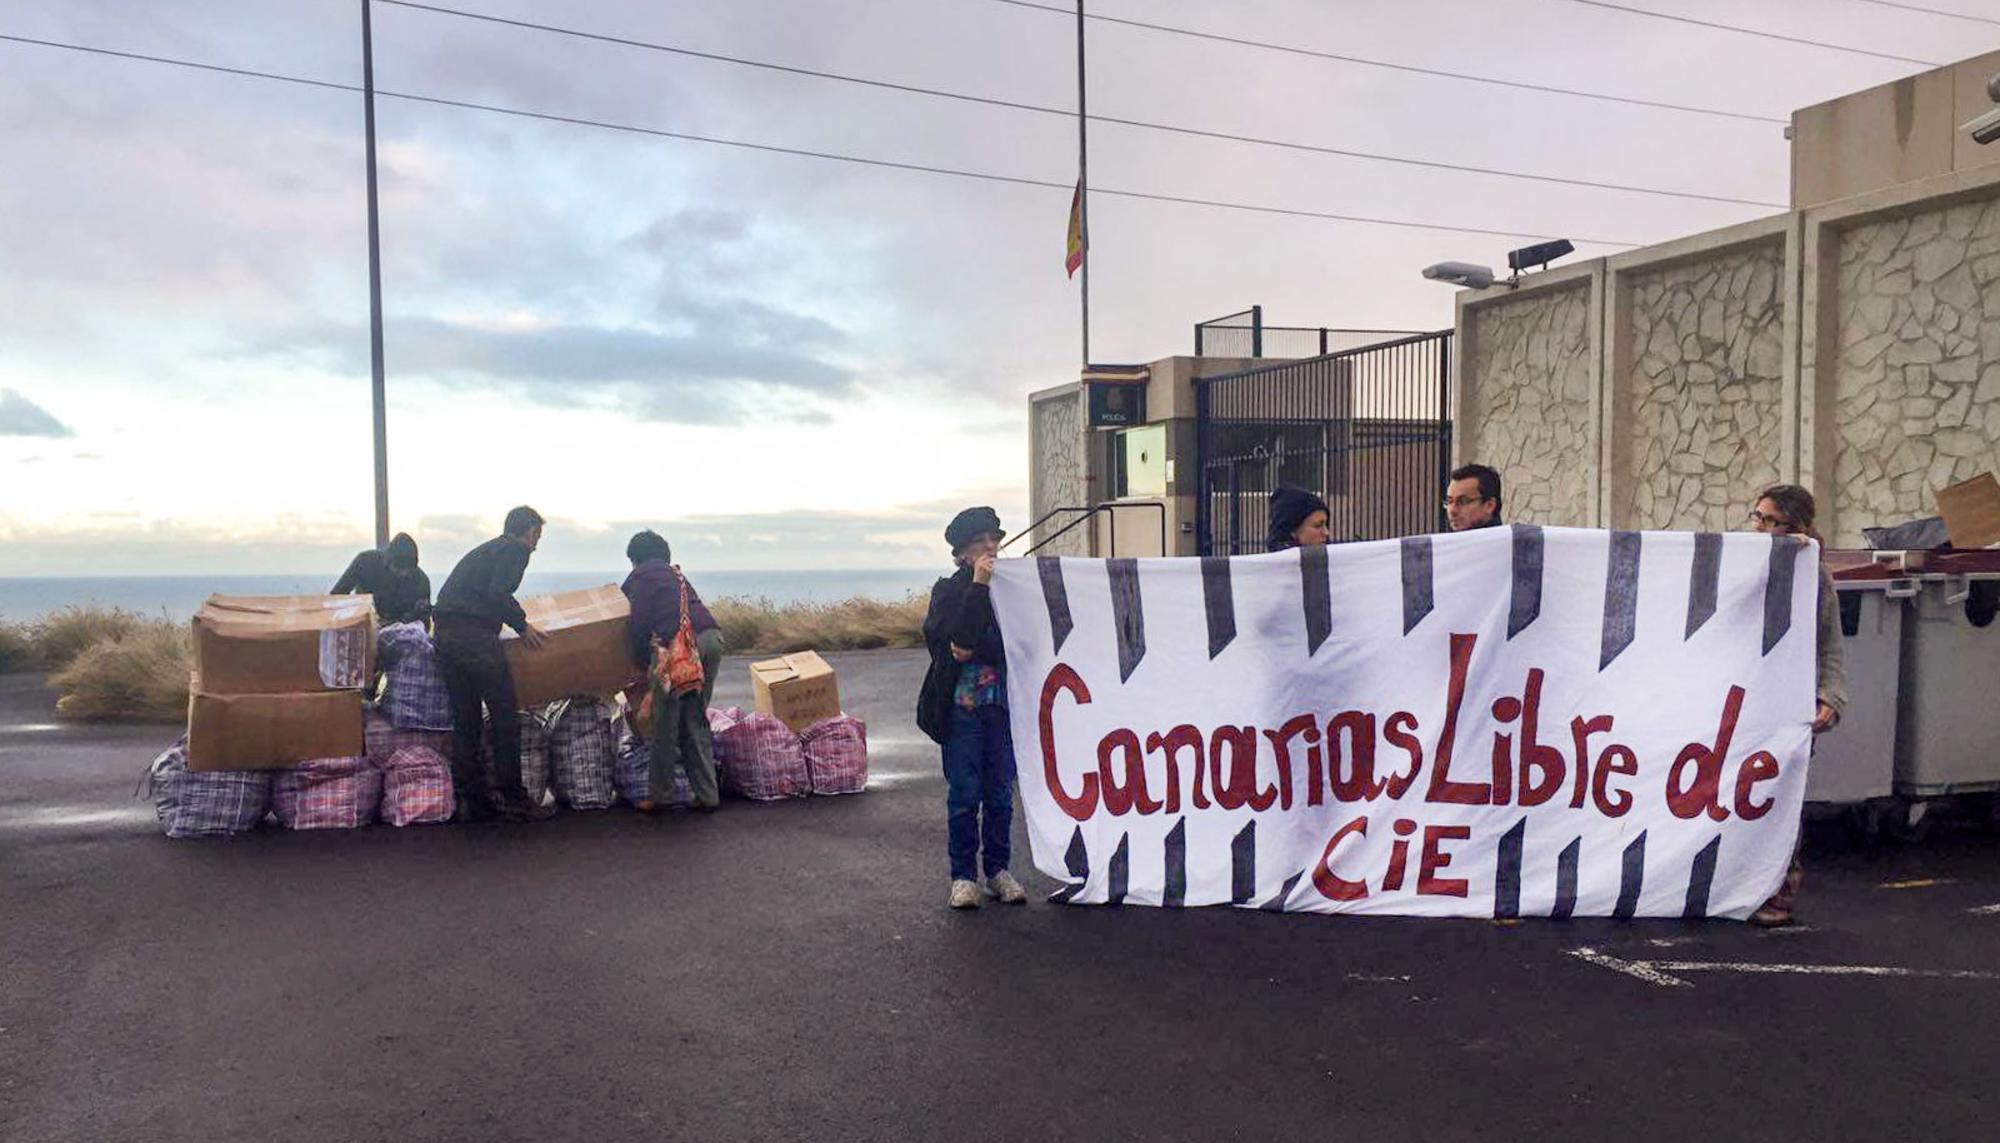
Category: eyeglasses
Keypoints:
(1759, 518)
(1463, 501)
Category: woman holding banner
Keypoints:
(1299, 519)
(963, 708)
(1787, 510)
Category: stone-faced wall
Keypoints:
(1917, 381)
(1699, 411)
(1061, 469)
(1529, 400)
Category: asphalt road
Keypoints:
(789, 971)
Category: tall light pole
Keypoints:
(1083, 180)
(375, 288)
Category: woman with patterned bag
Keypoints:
(679, 647)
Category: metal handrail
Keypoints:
(1109, 507)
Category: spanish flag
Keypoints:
(1075, 257)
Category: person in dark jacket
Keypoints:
(680, 722)
(1299, 519)
(1472, 499)
(476, 600)
(401, 590)
(964, 708)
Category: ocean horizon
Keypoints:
(27, 598)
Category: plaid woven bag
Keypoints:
(583, 752)
(836, 751)
(765, 763)
(205, 804)
(415, 697)
(633, 774)
(416, 787)
(327, 793)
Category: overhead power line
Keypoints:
(800, 152)
(1751, 32)
(1364, 61)
(1067, 113)
(1932, 11)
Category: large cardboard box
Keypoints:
(800, 689)
(585, 652)
(246, 645)
(1971, 511)
(263, 732)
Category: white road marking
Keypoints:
(1661, 972)
(1985, 909)
(1919, 883)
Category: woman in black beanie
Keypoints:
(1299, 519)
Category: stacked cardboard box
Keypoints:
(279, 680)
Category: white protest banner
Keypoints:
(1514, 721)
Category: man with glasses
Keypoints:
(1472, 499)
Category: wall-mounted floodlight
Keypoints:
(1467, 274)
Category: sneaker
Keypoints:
(1003, 888)
(964, 895)
(1771, 916)
(521, 810)
(647, 806)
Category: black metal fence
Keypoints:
(1369, 429)
(1245, 335)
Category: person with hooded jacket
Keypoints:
(401, 590)
(963, 707)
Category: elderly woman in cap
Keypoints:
(963, 708)
(1299, 519)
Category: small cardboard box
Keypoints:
(585, 652)
(247, 645)
(799, 689)
(264, 732)
(1971, 511)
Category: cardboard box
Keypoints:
(1971, 512)
(800, 689)
(264, 732)
(245, 645)
(585, 652)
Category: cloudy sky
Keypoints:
(782, 362)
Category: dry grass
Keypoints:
(18, 651)
(70, 632)
(141, 676)
(757, 626)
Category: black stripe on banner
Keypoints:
(1621, 596)
(1121, 870)
(1701, 878)
(1076, 860)
(1631, 878)
(1056, 597)
(1277, 903)
(1417, 597)
(1219, 602)
(1318, 591)
(1778, 590)
(1243, 864)
(1176, 893)
(1702, 585)
(1507, 878)
(1128, 614)
(1526, 605)
(1566, 879)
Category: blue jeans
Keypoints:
(979, 798)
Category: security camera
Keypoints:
(1465, 274)
(1986, 128)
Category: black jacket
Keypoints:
(483, 584)
(402, 595)
(961, 612)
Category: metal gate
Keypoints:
(1368, 429)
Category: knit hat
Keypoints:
(969, 525)
(1290, 506)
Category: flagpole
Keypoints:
(1083, 180)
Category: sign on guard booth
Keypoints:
(1505, 722)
